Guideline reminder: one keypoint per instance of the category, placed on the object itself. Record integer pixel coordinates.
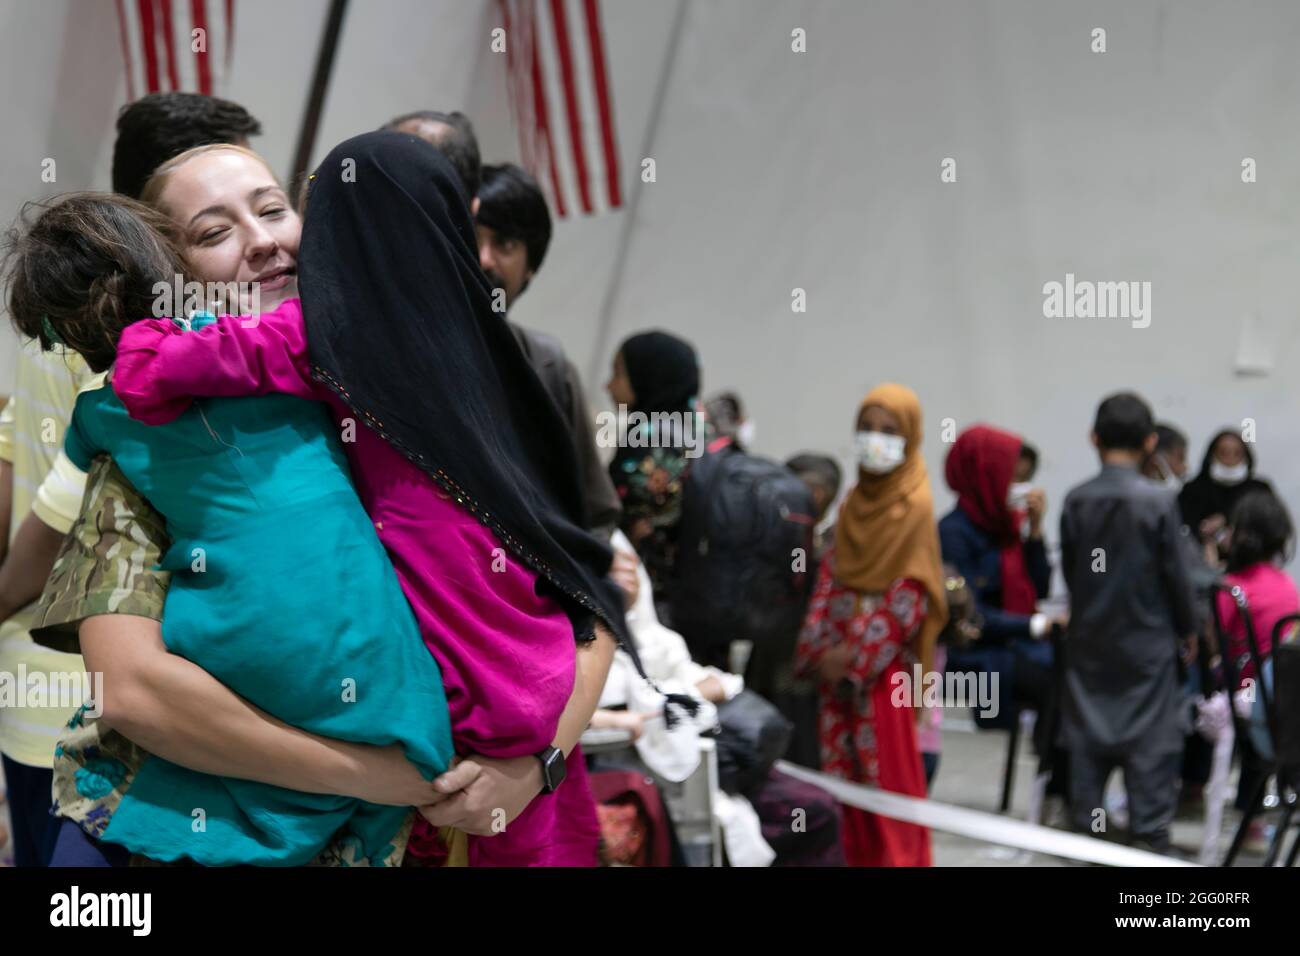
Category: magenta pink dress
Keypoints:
(507, 654)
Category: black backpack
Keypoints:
(739, 573)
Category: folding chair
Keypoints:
(1241, 726)
(1048, 725)
(1009, 766)
(1286, 775)
(1014, 713)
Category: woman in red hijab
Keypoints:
(994, 536)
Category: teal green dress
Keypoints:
(281, 590)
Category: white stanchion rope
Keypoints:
(978, 825)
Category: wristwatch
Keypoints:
(553, 768)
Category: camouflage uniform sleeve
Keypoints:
(108, 563)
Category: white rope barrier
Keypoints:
(977, 825)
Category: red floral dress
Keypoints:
(865, 735)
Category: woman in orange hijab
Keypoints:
(877, 608)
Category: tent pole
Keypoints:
(605, 317)
(316, 97)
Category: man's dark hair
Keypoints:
(819, 468)
(1261, 530)
(1169, 438)
(157, 127)
(724, 411)
(1030, 454)
(455, 139)
(512, 205)
(1124, 422)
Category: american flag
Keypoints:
(159, 42)
(560, 96)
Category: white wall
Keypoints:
(821, 171)
(56, 102)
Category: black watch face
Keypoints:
(554, 769)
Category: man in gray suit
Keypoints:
(1131, 610)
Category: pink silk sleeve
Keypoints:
(161, 368)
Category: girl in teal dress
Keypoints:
(281, 590)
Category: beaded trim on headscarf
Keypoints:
(463, 499)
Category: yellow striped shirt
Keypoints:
(32, 428)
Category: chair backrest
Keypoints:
(1285, 729)
(1231, 676)
(1257, 660)
(1280, 628)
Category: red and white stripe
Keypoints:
(158, 45)
(560, 94)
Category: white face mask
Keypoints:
(1229, 474)
(745, 432)
(878, 453)
(1018, 495)
(1167, 477)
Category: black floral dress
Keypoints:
(649, 482)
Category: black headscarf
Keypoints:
(664, 372)
(1203, 496)
(665, 375)
(400, 326)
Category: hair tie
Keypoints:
(49, 332)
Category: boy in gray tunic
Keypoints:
(1131, 608)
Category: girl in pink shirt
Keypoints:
(1261, 540)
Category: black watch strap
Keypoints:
(553, 768)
